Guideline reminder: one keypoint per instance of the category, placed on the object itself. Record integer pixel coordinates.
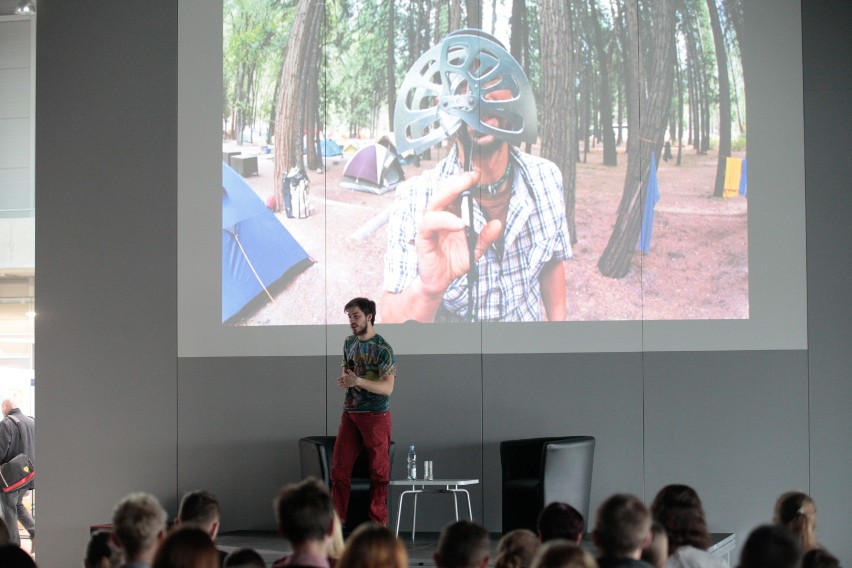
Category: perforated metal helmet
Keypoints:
(449, 85)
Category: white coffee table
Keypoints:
(432, 486)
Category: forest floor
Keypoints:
(697, 266)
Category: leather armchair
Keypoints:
(539, 471)
(315, 455)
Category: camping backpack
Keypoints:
(298, 186)
(17, 472)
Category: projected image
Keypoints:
(483, 162)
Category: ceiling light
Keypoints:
(26, 8)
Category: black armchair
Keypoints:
(539, 471)
(315, 454)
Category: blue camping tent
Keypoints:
(329, 148)
(257, 250)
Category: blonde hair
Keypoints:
(657, 552)
(373, 546)
(517, 549)
(559, 553)
(791, 512)
(336, 545)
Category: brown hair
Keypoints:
(622, 525)
(678, 508)
(365, 305)
(373, 546)
(304, 511)
(561, 553)
(187, 547)
(517, 549)
(560, 520)
(462, 544)
(790, 512)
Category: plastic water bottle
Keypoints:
(412, 463)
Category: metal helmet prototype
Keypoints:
(450, 85)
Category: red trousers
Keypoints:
(371, 431)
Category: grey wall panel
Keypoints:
(830, 317)
(732, 425)
(826, 44)
(239, 422)
(565, 394)
(15, 91)
(15, 44)
(14, 142)
(106, 342)
(436, 405)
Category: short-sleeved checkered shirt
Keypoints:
(536, 232)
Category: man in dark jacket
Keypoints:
(17, 436)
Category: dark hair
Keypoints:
(186, 547)
(622, 525)
(678, 508)
(560, 553)
(560, 520)
(462, 544)
(13, 556)
(244, 558)
(304, 511)
(98, 549)
(819, 558)
(517, 549)
(365, 305)
(373, 546)
(770, 546)
(200, 507)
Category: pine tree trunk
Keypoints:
(610, 158)
(558, 108)
(296, 74)
(391, 62)
(616, 258)
(724, 99)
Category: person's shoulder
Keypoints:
(540, 173)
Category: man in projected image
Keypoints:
(469, 87)
(369, 371)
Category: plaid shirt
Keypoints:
(536, 233)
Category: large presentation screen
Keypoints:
(601, 175)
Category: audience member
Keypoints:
(102, 552)
(622, 530)
(770, 546)
(187, 547)
(657, 552)
(462, 544)
(797, 512)
(17, 436)
(244, 558)
(561, 553)
(139, 523)
(819, 558)
(13, 556)
(561, 520)
(517, 549)
(373, 546)
(201, 509)
(304, 514)
(678, 508)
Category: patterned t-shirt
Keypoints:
(370, 360)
